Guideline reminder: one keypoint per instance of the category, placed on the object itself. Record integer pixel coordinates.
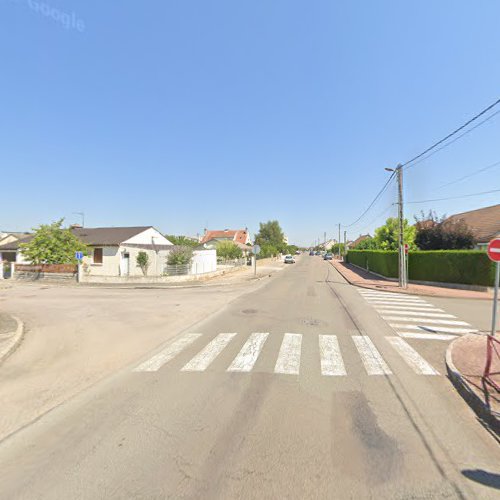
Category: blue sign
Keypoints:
(78, 255)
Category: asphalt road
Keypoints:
(330, 404)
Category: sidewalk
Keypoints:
(11, 331)
(465, 362)
(359, 277)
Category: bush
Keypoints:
(267, 250)
(179, 256)
(142, 260)
(228, 250)
(467, 267)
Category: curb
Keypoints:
(366, 287)
(13, 343)
(471, 398)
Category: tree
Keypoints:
(227, 250)
(438, 233)
(142, 260)
(270, 233)
(182, 241)
(52, 244)
(387, 236)
(366, 244)
(180, 256)
(267, 250)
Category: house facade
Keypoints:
(113, 251)
(10, 246)
(240, 237)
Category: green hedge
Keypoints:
(379, 261)
(468, 267)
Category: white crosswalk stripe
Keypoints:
(331, 359)
(288, 361)
(425, 320)
(377, 300)
(432, 328)
(156, 362)
(414, 313)
(414, 307)
(372, 360)
(245, 360)
(427, 336)
(203, 359)
(385, 295)
(412, 357)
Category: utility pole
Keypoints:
(403, 282)
(402, 253)
(339, 240)
(345, 243)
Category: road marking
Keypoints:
(384, 295)
(412, 357)
(288, 361)
(246, 358)
(203, 359)
(432, 328)
(371, 358)
(427, 336)
(395, 301)
(331, 359)
(425, 314)
(425, 320)
(156, 362)
(414, 307)
(398, 303)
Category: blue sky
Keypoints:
(227, 113)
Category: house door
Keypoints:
(124, 264)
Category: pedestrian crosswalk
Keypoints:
(199, 352)
(413, 317)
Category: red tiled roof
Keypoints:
(359, 239)
(484, 222)
(237, 235)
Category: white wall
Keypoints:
(148, 237)
(204, 261)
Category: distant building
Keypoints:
(483, 222)
(240, 237)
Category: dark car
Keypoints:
(311, 252)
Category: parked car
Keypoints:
(289, 259)
(328, 256)
(318, 253)
(311, 252)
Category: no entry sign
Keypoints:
(494, 250)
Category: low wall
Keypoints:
(138, 280)
(44, 272)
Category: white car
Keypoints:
(289, 259)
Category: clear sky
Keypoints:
(187, 114)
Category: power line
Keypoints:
(473, 119)
(496, 164)
(456, 197)
(386, 209)
(379, 194)
(453, 141)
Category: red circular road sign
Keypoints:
(494, 250)
(406, 248)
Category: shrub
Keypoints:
(228, 250)
(142, 260)
(179, 256)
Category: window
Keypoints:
(97, 255)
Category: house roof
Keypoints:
(111, 236)
(359, 239)
(483, 222)
(14, 245)
(237, 235)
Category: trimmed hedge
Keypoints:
(467, 267)
(379, 261)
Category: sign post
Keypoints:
(494, 255)
(255, 251)
(79, 257)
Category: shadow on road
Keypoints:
(481, 476)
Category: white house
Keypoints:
(114, 250)
(9, 246)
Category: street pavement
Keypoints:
(307, 387)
